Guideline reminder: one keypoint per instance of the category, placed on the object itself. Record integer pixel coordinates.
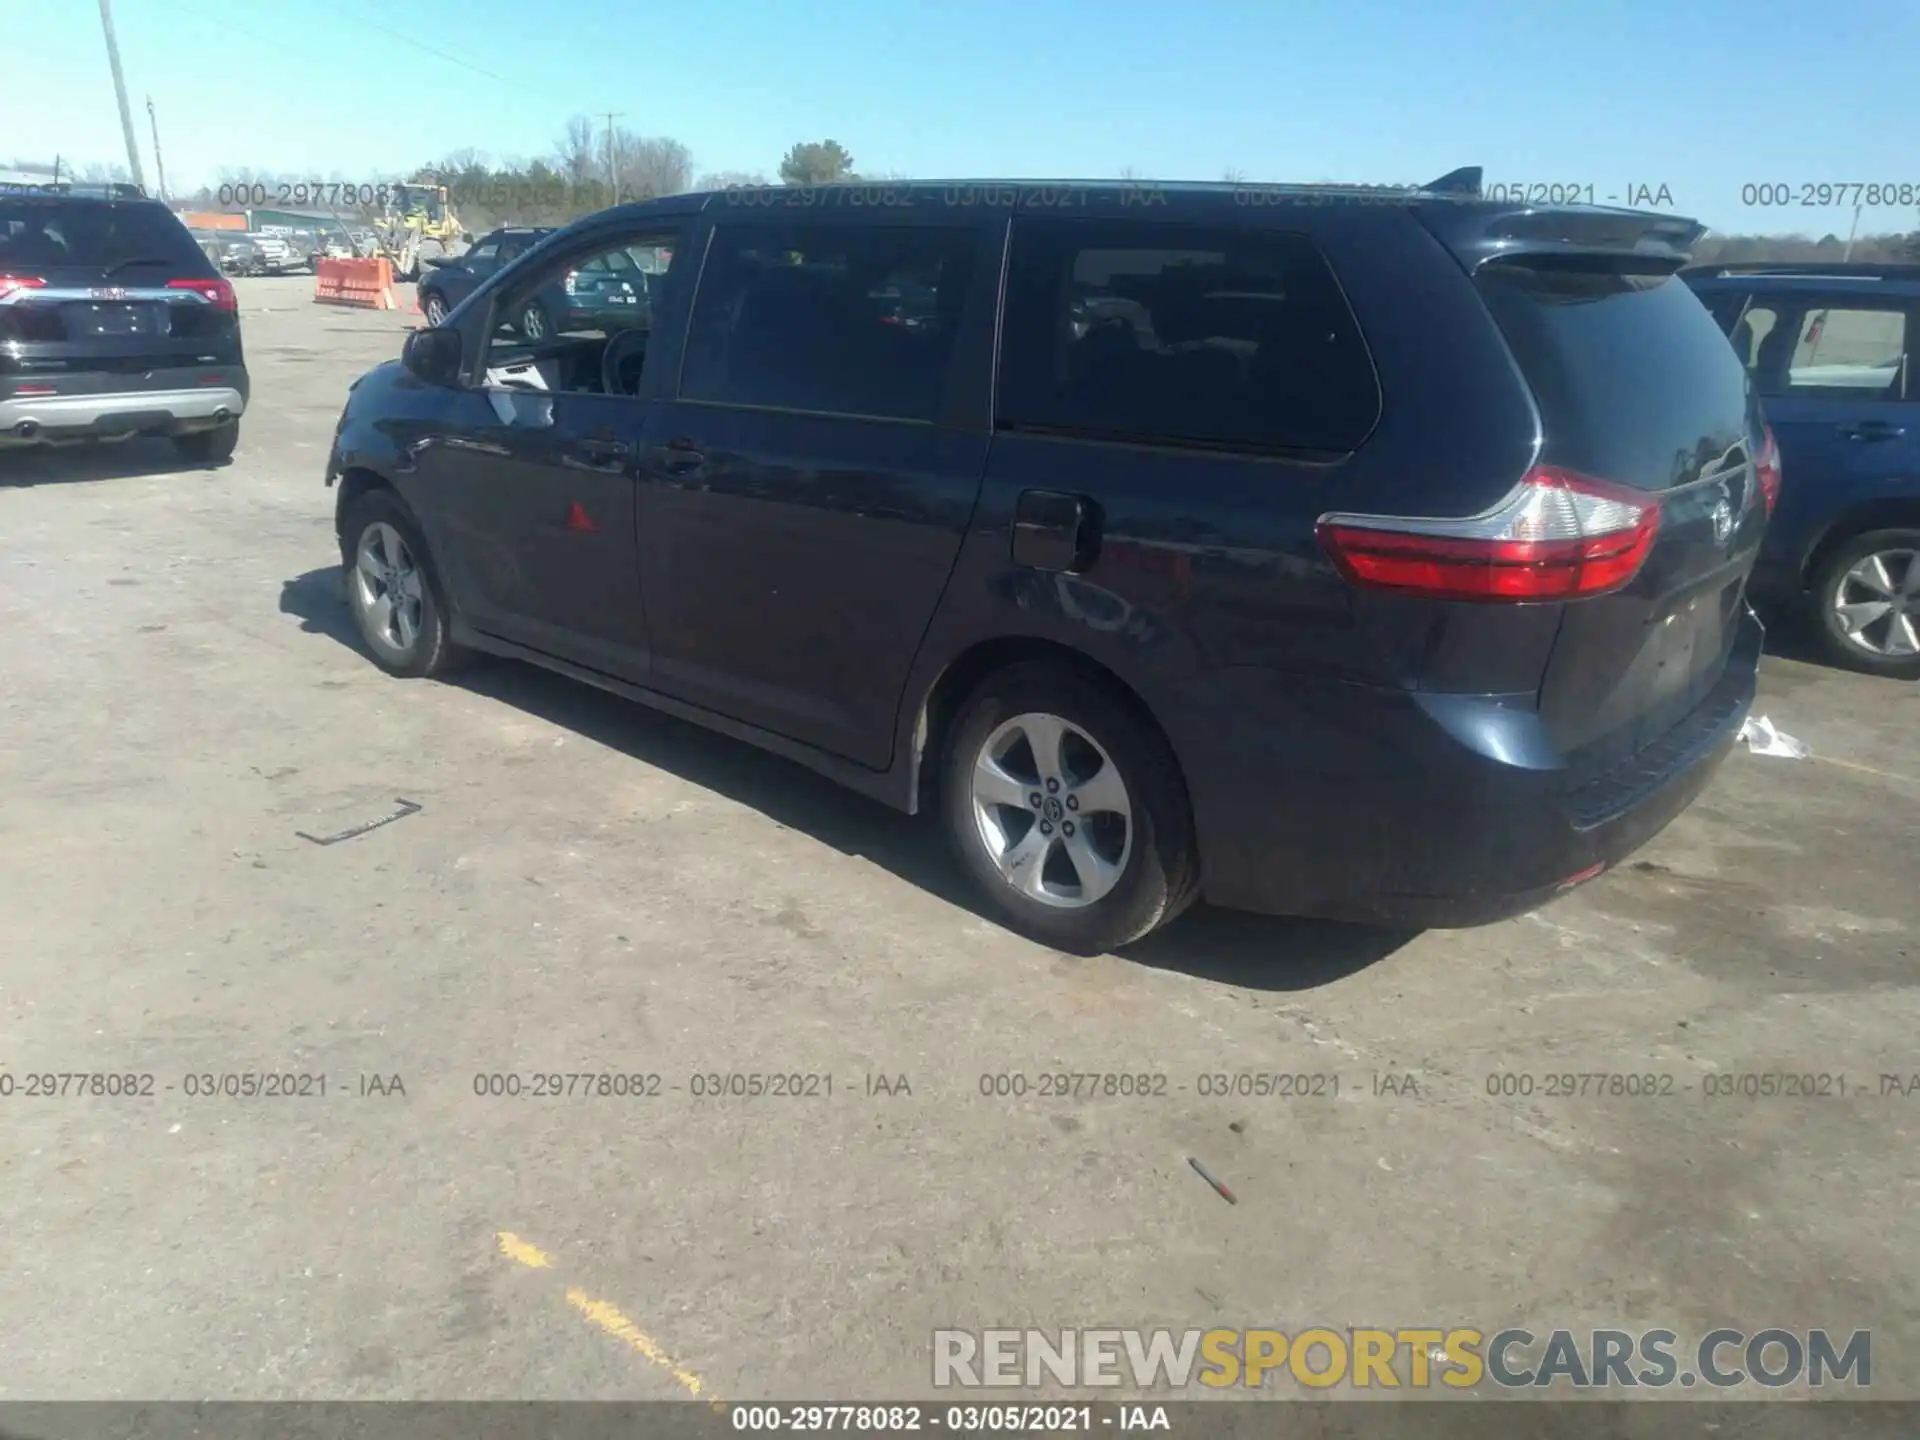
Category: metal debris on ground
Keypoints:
(1207, 1175)
(407, 807)
(1763, 739)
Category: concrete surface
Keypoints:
(590, 887)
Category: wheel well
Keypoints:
(1877, 515)
(354, 484)
(942, 704)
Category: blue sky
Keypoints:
(1699, 97)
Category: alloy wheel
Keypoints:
(387, 588)
(1052, 810)
(1877, 603)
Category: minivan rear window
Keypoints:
(1152, 333)
(50, 233)
(1634, 379)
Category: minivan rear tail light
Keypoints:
(1766, 468)
(1557, 536)
(11, 283)
(220, 292)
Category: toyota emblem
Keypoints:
(1722, 522)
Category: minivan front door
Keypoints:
(538, 485)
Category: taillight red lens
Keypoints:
(1766, 468)
(1558, 536)
(220, 292)
(11, 283)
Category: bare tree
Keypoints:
(649, 166)
(577, 156)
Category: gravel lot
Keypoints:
(590, 887)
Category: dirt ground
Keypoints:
(591, 888)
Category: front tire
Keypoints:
(392, 590)
(1067, 809)
(1866, 603)
(209, 447)
(535, 324)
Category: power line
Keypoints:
(334, 9)
(450, 58)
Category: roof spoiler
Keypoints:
(1625, 240)
(1464, 181)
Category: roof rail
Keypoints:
(1816, 269)
(86, 189)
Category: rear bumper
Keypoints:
(40, 419)
(1439, 811)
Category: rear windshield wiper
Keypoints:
(117, 266)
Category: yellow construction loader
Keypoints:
(418, 225)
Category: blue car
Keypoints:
(1830, 350)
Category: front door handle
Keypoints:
(1055, 532)
(1873, 430)
(677, 458)
(603, 449)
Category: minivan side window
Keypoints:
(833, 319)
(1234, 339)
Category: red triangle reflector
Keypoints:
(578, 519)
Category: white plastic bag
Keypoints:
(1763, 739)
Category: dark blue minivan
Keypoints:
(1377, 554)
(1830, 351)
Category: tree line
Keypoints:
(589, 168)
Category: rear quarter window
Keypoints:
(1181, 335)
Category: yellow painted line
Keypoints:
(609, 1319)
(514, 1248)
(1868, 770)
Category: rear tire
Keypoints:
(435, 309)
(209, 447)
(1865, 601)
(1041, 747)
(393, 591)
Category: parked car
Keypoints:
(233, 251)
(444, 283)
(1830, 348)
(113, 322)
(278, 256)
(1394, 571)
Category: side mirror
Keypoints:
(433, 356)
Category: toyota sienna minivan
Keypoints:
(1320, 551)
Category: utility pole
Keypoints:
(1850, 236)
(613, 176)
(120, 93)
(158, 164)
